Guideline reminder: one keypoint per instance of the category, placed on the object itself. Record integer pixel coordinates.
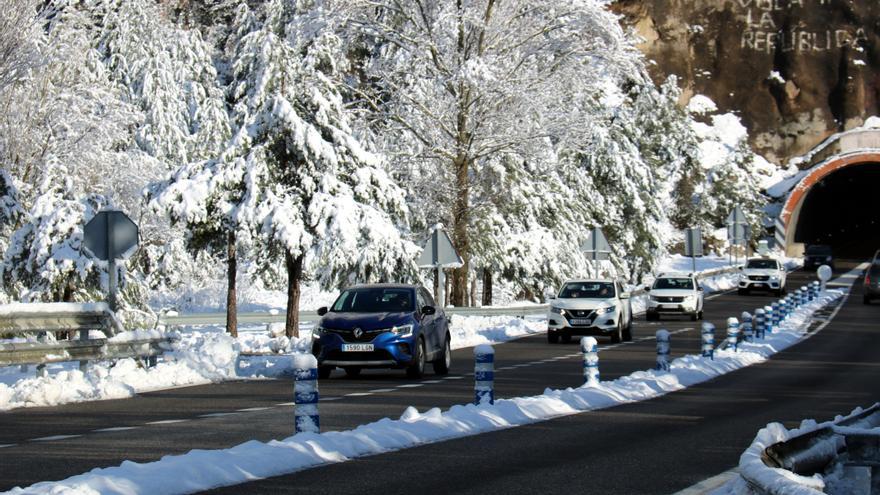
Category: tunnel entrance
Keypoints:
(843, 211)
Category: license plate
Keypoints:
(581, 321)
(357, 347)
(669, 306)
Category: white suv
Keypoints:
(677, 294)
(590, 307)
(762, 273)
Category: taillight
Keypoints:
(868, 279)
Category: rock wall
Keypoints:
(796, 71)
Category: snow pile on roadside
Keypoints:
(470, 331)
(198, 358)
(201, 470)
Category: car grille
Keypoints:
(580, 313)
(348, 335)
(669, 299)
(759, 278)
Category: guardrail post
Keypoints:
(770, 321)
(707, 335)
(663, 349)
(733, 333)
(590, 348)
(747, 330)
(760, 325)
(305, 394)
(484, 374)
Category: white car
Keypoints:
(590, 307)
(675, 294)
(762, 273)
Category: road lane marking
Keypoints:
(3, 446)
(285, 404)
(54, 437)
(411, 385)
(252, 409)
(217, 415)
(382, 390)
(453, 378)
(358, 394)
(115, 428)
(168, 421)
(432, 381)
(328, 399)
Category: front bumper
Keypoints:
(759, 284)
(685, 307)
(601, 325)
(389, 351)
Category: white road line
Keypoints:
(432, 381)
(168, 421)
(54, 437)
(285, 404)
(328, 399)
(382, 390)
(7, 445)
(217, 415)
(719, 294)
(506, 368)
(411, 385)
(252, 409)
(453, 378)
(115, 428)
(358, 394)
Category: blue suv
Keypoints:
(382, 326)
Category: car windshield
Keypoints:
(587, 290)
(674, 283)
(762, 264)
(375, 300)
(875, 270)
(819, 250)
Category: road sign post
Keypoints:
(693, 245)
(438, 253)
(737, 231)
(108, 236)
(596, 246)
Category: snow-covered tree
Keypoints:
(458, 84)
(18, 52)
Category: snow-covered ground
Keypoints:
(200, 470)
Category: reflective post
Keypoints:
(772, 317)
(707, 335)
(662, 350)
(484, 374)
(590, 349)
(305, 394)
(733, 333)
(747, 330)
(760, 324)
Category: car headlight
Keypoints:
(774, 277)
(319, 331)
(654, 298)
(402, 330)
(605, 311)
(559, 311)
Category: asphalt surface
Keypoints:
(38, 444)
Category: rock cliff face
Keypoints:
(796, 71)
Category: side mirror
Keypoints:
(322, 311)
(739, 268)
(700, 288)
(429, 310)
(624, 295)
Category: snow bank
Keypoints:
(202, 470)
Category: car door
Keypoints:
(625, 306)
(428, 322)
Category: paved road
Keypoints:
(40, 444)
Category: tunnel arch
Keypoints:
(864, 165)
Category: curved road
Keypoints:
(40, 444)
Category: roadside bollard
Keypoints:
(803, 295)
(662, 350)
(590, 348)
(811, 294)
(733, 333)
(708, 338)
(760, 325)
(484, 374)
(771, 321)
(305, 394)
(817, 289)
(747, 330)
(791, 304)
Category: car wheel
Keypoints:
(617, 336)
(742, 292)
(780, 292)
(441, 366)
(628, 333)
(566, 338)
(695, 316)
(417, 368)
(352, 371)
(324, 372)
(552, 337)
(651, 316)
(701, 315)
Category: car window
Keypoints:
(875, 270)
(375, 300)
(763, 264)
(674, 283)
(587, 290)
(420, 300)
(429, 299)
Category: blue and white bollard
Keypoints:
(817, 289)
(484, 374)
(747, 330)
(811, 294)
(305, 394)
(590, 348)
(708, 337)
(662, 350)
(803, 295)
(760, 323)
(733, 333)
(772, 317)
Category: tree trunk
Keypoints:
(294, 276)
(231, 274)
(487, 287)
(461, 217)
(473, 294)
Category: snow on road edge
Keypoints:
(201, 469)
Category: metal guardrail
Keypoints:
(809, 453)
(305, 316)
(80, 350)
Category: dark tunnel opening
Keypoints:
(843, 211)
